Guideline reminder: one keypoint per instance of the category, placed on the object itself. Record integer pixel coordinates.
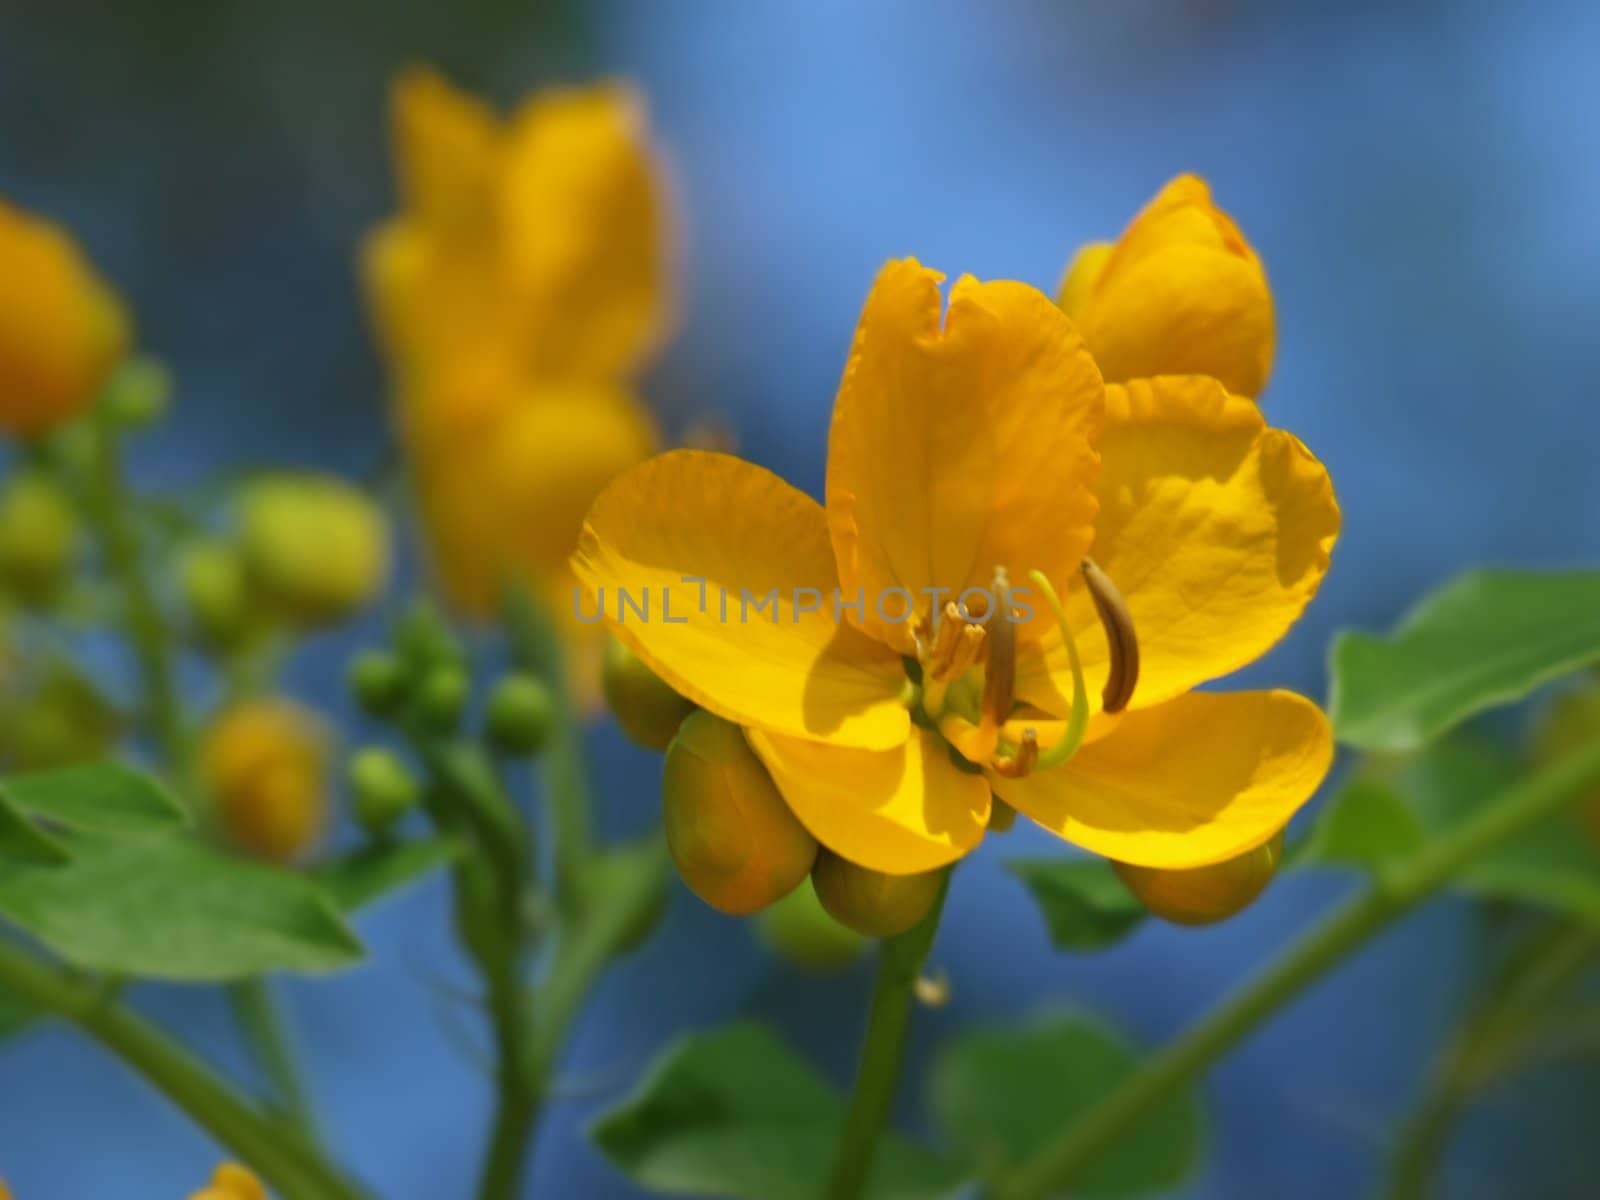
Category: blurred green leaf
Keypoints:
(736, 1113)
(1002, 1094)
(1364, 824)
(21, 839)
(16, 1014)
(1489, 638)
(1084, 904)
(171, 908)
(373, 872)
(101, 798)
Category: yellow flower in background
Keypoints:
(264, 763)
(62, 329)
(967, 451)
(523, 285)
(231, 1182)
(1180, 293)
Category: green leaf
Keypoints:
(370, 874)
(1084, 904)
(1489, 638)
(1366, 823)
(171, 908)
(1001, 1094)
(736, 1113)
(21, 839)
(16, 1014)
(101, 798)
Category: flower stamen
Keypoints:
(1021, 763)
(1120, 637)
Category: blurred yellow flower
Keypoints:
(523, 284)
(1180, 293)
(230, 1182)
(968, 451)
(62, 329)
(264, 763)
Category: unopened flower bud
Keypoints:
(735, 842)
(265, 764)
(442, 698)
(648, 710)
(799, 930)
(317, 547)
(383, 789)
(519, 715)
(216, 591)
(38, 538)
(139, 393)
(424, 640)
(377, 680)
(1205, 895)
(870, 902)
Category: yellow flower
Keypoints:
(62, 329)
(1181, 293)
(232, 1182)
(265, 765)
(960, 444)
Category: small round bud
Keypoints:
(384, 790)
(264, 763)
(377, 680)
(139, 393)
(38, 538)
(443, 697)
(735, 842)
(424, 640)
(799, 930)
(216, 592)
(648, 710)
(1205, 895)
(873, 903)
(317, 547)
(519, 715)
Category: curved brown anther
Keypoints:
(1120, 636)
(1000, 671)
(1022, 763)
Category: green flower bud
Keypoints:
(519, 715)
(216, 591)
(648, 710)
(38, 538)
(384, 790)
(735, 842)
(1205, 895)
(443, 696)
(873, 903)
(139, 393)
(378, 681)
(424, 640)
(799, 930)
(317, 547)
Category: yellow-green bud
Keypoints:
(443, 696)
(377, 680)
(735, 842)
(870, 902)
(317, 547)
(139, 393)
(799, 930)
(519, 715)
(384, 790)
(424, 640)
(38, 537)
(216, 591)
(1205, 895)
(648, 710)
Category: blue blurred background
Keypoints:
(1421, 180)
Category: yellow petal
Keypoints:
(899, 811)
(1182, 293)
(749, 536)
(959, 449)
(1082, 274)
(1195, 781)
(583, 217)
(446, 144)
(1216, 529)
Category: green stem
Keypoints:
(258, 1011)
(883, 1052)
(288, 1164)
(1389, 896)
